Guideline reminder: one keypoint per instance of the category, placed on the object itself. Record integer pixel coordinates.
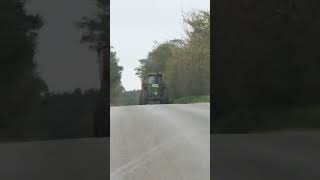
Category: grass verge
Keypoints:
(192, 99)
(271, 120)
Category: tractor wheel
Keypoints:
(143, 97)
(164, 99)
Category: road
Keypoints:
(164, 142)
(160, 142)
(79, 159)
(274, 156)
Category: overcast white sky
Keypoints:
(135, 25)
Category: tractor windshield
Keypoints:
(154, 80)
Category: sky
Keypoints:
(136, 25)
(62, 61)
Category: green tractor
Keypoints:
(153, 89)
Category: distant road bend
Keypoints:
(160, 142)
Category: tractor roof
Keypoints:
(151, 74)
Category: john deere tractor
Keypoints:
(153, 89)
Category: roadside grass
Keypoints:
(270, 120)
(191, 99)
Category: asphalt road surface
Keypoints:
(275, 156)
(78, 159)
(160, 142)
(165, 142)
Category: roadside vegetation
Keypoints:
(28, 109)
(21, 86)
(266, 68)
(116, 89)
(192, 99)
(184, 62)
(128, 98)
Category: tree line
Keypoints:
(28, 110)
(62, 115)
(266, 64)
(21, 86)
(184, 62)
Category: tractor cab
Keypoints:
(153, 89)
(154, 83)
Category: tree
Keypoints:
(184, 62)
(97, 27)
(21, 85)
(115, 78)
(97, 35)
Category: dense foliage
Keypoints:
(184, 62)
(21, 87)
(266, 62)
